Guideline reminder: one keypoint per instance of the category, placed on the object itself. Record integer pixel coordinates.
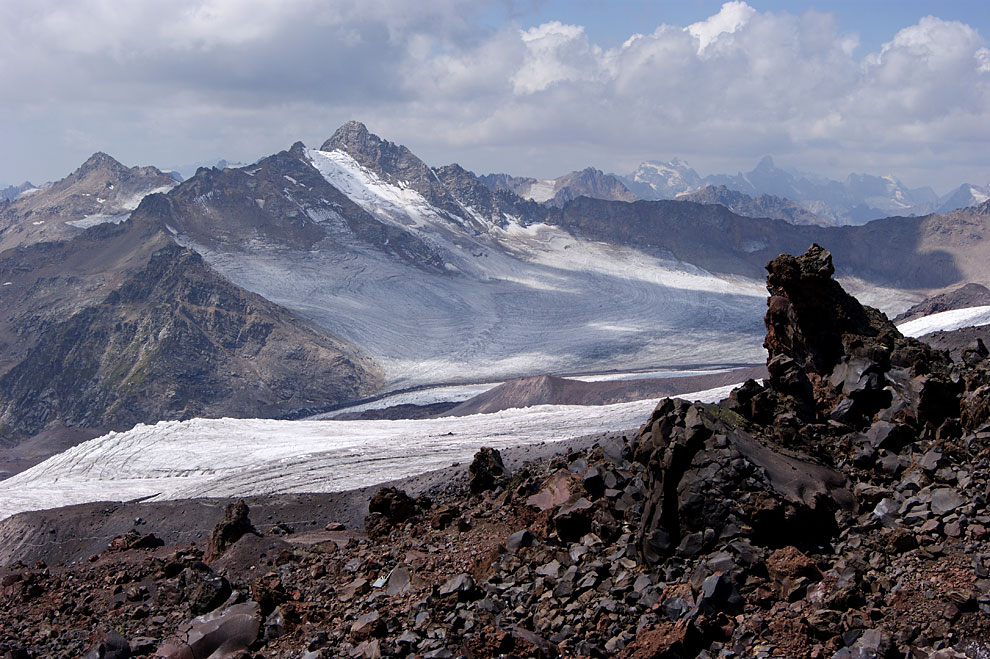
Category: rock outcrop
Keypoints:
(234, 526)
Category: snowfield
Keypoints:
(244, 457)
(946, 321)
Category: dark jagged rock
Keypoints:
(487, 472)
(706, 475)
(219, 634)
(135, 540)
(234, 526)
(831, 357)
(110, 645)
(389, 507)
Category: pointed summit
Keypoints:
(765, 165)
(351, 132)
(392, 162)
(388, 159)
(98, 161)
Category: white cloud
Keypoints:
(150, 81)
(554, 53)
(732, 16)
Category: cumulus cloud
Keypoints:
(170, 82)
(731, 17)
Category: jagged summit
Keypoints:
(766, 164)
(393, 163)
(349, 132)
(354, 139)
(101, 160)
(100, 190)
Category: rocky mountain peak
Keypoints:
(354, 139)
(350, 132)
(590, 182)
(100, 161)
(388, 159)
(765, 165)
(393, 162)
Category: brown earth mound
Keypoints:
(551, 390)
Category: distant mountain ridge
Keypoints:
(588, 182)
(100, 190)
(11, 192)
(857, 199)
(771, 206)
(964, 297)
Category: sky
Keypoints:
(528, 87)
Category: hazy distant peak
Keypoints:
(765, 164)
(100, 160)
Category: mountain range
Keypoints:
(317, 276)
(766, 191)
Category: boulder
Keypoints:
(235, 525)
(216, 635)
(705, 475)
(487, 472)
(388, 507)
(109, 645)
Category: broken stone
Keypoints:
(463, 584)
(945, 500)
(573, 520)
(109, 645)
(368, 625)
(228, 631)
(518, 540)
(233, 527)
(487, 472)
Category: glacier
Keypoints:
(245, 457)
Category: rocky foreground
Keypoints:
(837, 510)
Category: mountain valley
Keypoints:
(377, 273)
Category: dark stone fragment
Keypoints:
(110, 645)
(233, 527)
(518, 540)
(573, 520)
(487, 472)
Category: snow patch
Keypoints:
(98, 218)
(946, 321)
(398, 205)
(540, 191)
